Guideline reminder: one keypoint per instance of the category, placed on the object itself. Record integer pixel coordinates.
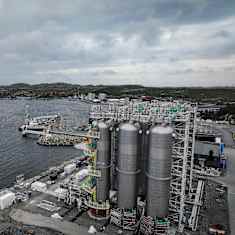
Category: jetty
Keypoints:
(60, 138)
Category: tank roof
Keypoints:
(102, 125)
(128, 127)
(162, 130)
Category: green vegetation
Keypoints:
(215, 94)
(226, 113)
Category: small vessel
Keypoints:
(19, 178)
(42, 123)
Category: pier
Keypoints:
(92, 134)
(31, 132)
(60, 138)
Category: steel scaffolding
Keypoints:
(124, 218)
(149, 226)
(182, 117)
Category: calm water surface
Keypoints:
(20, 155)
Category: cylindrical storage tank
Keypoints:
(103, 162)
(127, 166)
(159, 171)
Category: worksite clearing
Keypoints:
(136, 175)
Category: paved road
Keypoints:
(226, 134)
(229, 179)
(64, 227)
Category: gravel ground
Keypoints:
(215, 208)
(38, 220)
(14, 228)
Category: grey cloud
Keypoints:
(104, 72)
(42, 35)
(229, 68)
(221, 34)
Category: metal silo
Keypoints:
(103, 162)
(159, 171)
(127, 165)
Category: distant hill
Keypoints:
(50, 90)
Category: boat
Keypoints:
(41, 123)
(19, 178)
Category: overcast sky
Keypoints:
(148, 42)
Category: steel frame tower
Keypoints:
(182, 116)
(182, 167)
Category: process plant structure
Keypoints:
(144, 152)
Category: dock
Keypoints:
(60, 138)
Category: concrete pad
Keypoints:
(65, 227)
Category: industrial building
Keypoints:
(146, 154)
(7, 198)
(137, 172)
(209, 148)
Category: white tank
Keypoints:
(127, 165)
(159, 171)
